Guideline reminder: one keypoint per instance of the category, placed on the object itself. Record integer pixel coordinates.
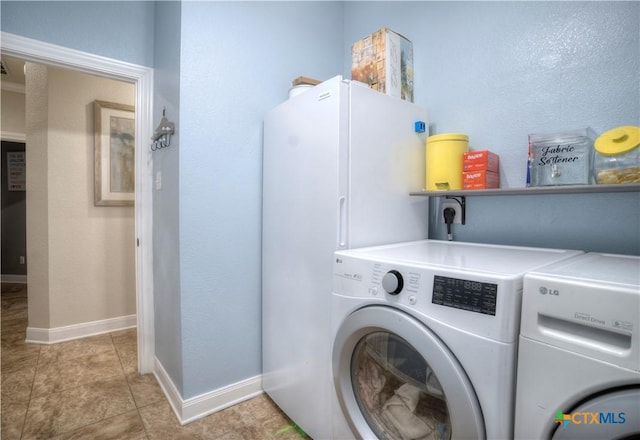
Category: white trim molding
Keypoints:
(12, 87)
(51, 54)
(13, 136)
(197, 407)
(77, 331)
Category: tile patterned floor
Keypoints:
(89, 389)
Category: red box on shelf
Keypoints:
(480, 160)
(480, 180)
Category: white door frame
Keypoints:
(142, 78)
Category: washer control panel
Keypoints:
(470, 300)
(474, 296)
(379, 280)
(395, 281)
(474, 287)
(392, 282)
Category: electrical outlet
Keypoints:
(457, 220)
(22, 259)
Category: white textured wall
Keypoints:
(90, 250)
(37, 200)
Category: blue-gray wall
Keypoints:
(238, 60)
(495, 70)
(501, 70)
(122, 30)
(166, 207)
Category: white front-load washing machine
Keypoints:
(579, 354)
(424, 339)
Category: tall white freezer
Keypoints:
(339, 163)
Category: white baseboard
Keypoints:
(168, 388)
(60, 334)
(17, 279)
(205, 404)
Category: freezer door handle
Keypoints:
(342, 222)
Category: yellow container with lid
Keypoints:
(444, 161)
(617, 158)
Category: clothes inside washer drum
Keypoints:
(399, 413)
(371, 381)
(397, 392)
(397, 410)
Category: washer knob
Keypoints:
(392, 282)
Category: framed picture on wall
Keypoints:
(114, 154)
(16, 171)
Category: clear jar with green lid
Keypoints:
(617, 157)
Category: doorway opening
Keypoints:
(142, 79)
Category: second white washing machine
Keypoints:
(425, 339)
(579, 353)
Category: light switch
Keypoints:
(158, 180)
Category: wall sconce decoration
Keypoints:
(162, 136)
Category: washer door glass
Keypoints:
(395, 379)
(398, 393)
